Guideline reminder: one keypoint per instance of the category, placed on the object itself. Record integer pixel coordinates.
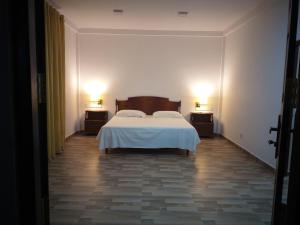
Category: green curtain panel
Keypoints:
(55, 78)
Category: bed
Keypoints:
(148, 132)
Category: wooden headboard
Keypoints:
(148, 104)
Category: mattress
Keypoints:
(148, 132)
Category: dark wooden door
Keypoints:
(36, 28)
(24, 185)
(286, 195)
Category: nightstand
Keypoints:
(94, 120)
(203, 123)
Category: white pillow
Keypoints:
(131, 113)
(167, 114)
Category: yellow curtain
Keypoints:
(55, 78)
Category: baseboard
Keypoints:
(258, 159)
(68, 137)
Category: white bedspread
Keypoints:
(149, 132)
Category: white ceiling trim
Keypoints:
(53, 4)
(264, 6)
(71, 25)
(151, 32)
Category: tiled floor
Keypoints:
(220, 184)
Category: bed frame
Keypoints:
(148, 104)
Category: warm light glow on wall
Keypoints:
(203, 89)
(95, 90)
(202, 92)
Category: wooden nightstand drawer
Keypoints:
(203, 117)
(94, 120)
(96, 115)
(93, 126)
(204, 129)
(203, 123)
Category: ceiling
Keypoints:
(203, 15)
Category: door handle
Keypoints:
(276, 143)
(273, 129)
(271, 142)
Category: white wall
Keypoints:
(71, 81)
(253, 80)
(145, 65)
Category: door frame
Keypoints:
(293, 198)
(287, 214)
